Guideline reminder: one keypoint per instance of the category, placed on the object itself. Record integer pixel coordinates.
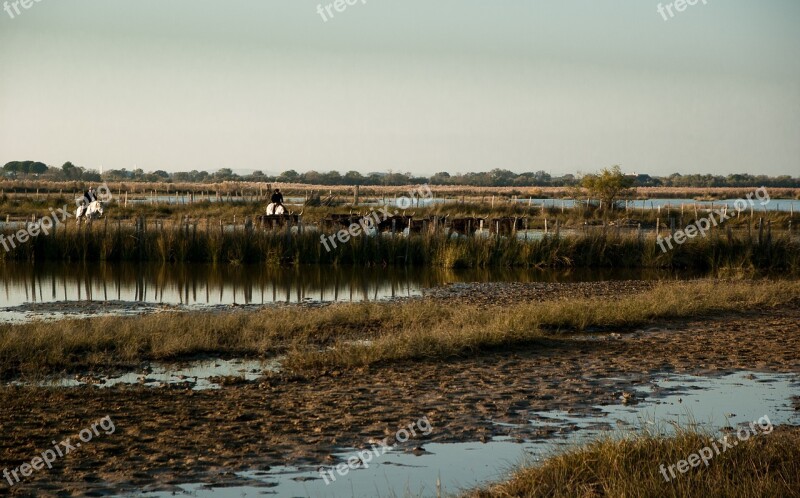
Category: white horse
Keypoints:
(274, 209)
(91, 212)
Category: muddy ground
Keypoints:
(175, 435)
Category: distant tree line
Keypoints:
(493, 178)
(35, 169)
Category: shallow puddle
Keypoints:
(433, 469)
(201, 374)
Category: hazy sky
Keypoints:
(563, 86)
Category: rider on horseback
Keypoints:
(277, 198)
(90, 196)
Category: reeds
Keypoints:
(223, 242)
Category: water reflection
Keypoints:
(256, 284)
(711, 402)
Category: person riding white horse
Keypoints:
(275, 209)
(91, 212)
(276, 206)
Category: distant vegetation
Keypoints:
(494, 178)
(609, 186)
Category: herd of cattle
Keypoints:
(404, 223)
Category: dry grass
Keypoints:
(322, 338)
(441, 332)
(767, 465)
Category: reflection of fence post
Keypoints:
(760, 229)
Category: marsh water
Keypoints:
(209, 285)
(713, 403)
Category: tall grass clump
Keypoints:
(767, 465)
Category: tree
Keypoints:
(37, 168)
(290, 176)
(26, 167)
(91, 176)
(224, 174)
(71, 171)
(331, 178)
(609, 186)
(353, 178)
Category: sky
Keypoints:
(564, 86)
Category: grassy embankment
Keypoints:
(761, 248)
(767, 465)
(322, 338)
